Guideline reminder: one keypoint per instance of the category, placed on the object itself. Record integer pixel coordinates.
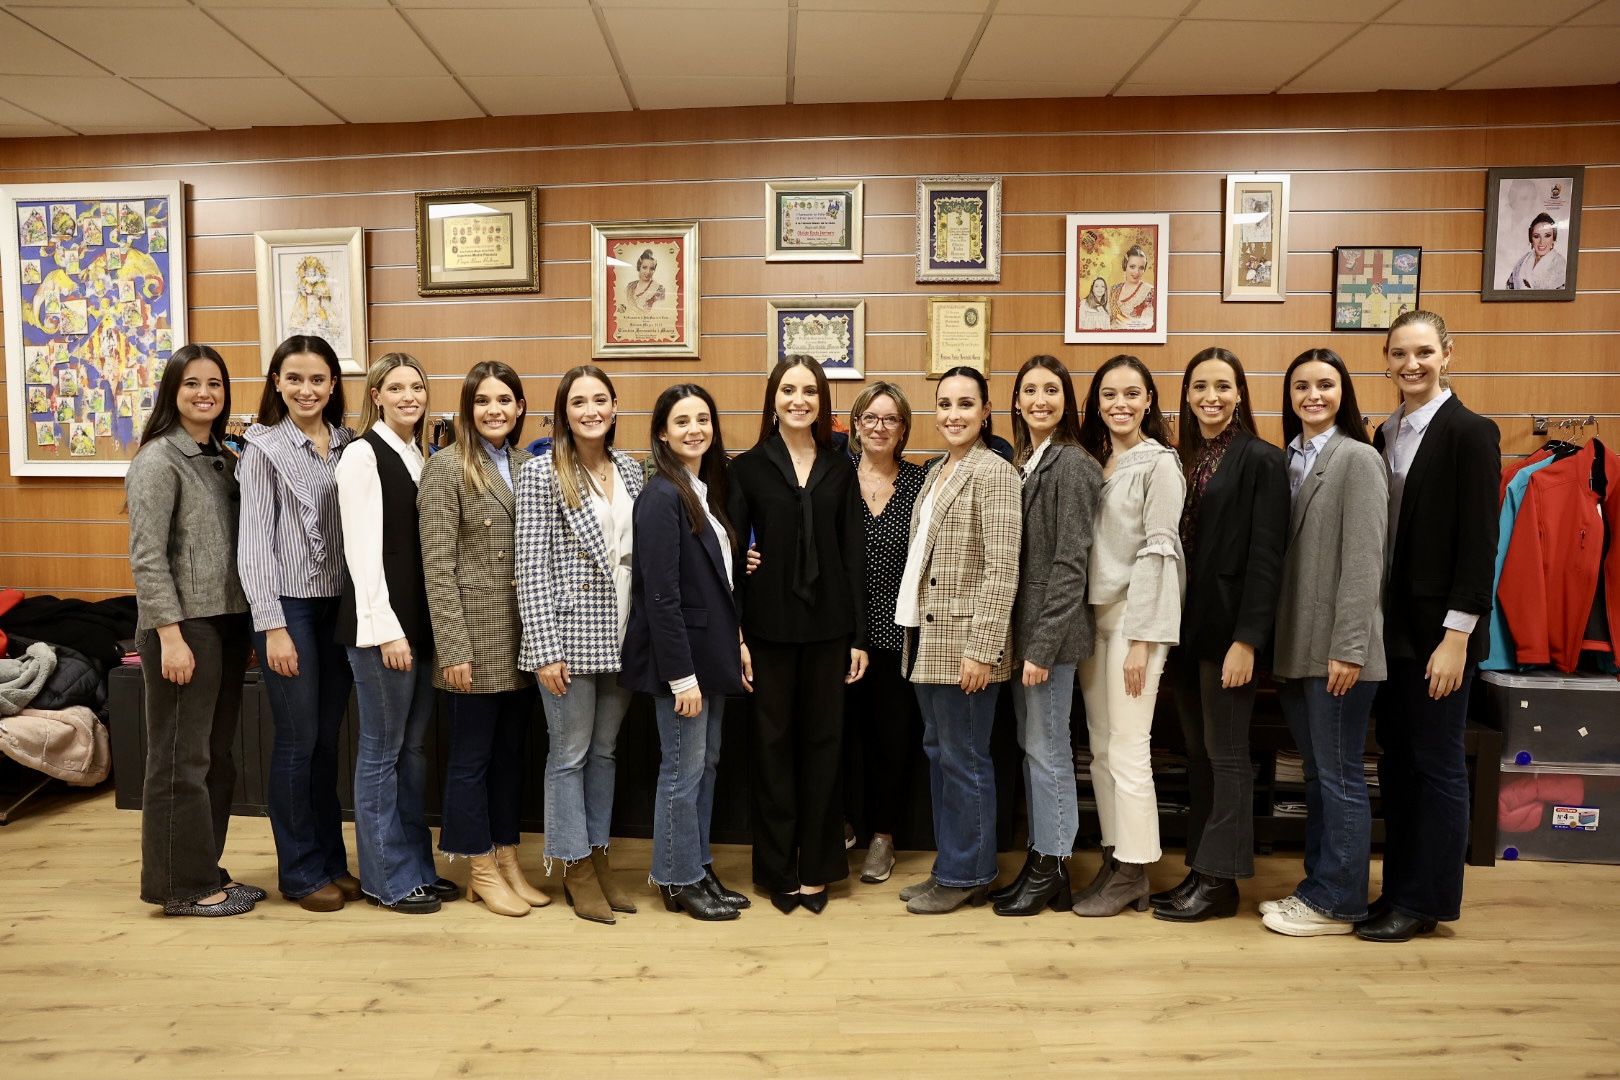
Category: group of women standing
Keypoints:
(851, 592)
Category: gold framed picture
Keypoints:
(958, 333)
(478, 241)
(831, 331)
(814, 220)
(644, 289)
(959, 228)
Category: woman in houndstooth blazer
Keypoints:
(574, 538)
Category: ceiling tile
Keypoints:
(975, 7)
(395, 99)
(1408, 57)
(1167, 9)
(1604, 14)
(135, 41)
(921, 52)
(1062, 50)
(1568, 56)
(26, 51)
(1482, 12)
(976, 89)
(696, 5)
(549, 42)
(15, 123)
(536, 95)
(317, 42)
(305, 3)
(1273, 53)
(94, 105)
(1144, 89)
(241, 103)
(811, 89)
(687, 41)
(1289, 10)
(708, 91)
(20, 4)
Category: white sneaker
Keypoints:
(1294, 919)
(1268, 906)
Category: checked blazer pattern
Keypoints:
(565, 593)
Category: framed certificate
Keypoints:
(959, 228)
(477, 241)
(958, 333)
(831, 331)
(644, 289)
(1256, 238)
(813, 221)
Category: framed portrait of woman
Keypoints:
(644, 289)
(1116, 278)
(1532, 233)
(313, 281)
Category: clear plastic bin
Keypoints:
(1549, 718)
(1559, 813)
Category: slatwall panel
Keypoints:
(1379, 169)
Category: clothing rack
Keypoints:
(1542, 425)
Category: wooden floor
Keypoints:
(93, 984)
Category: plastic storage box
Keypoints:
(1558, 719)
(1559, 813)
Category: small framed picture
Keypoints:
(831, 331)
(478, 241)
(313, 281)
(959, 228)
(1256, 238)
(1532, 233)
(958, 333)
(813, 221)
(644, 289)
(1116, 271)
(1373, 286)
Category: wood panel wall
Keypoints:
(1367, 169)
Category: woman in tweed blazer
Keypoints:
(574, 538)
(466, 510)
(957, 595)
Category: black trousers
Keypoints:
(483, 771)
(798, 815)
(190, 773)
(882, 745)
(1220, 778)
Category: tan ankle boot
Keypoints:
(583, 891)
(507, 858)
(617, 898)
(486, 883)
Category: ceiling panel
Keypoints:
(393, 100)
(690, 41)
(94, 105)
(975, 89)
(15, 123)
(308, 3)
(1272, 52)
(1483, 12)
(1289, 10)
(539, 95)
(1604, 14)
(1168, 9)
(102, 4)
(921, 52)
(811, 89)
(1570, 56)
(549, 42)
(1062, 50)
(318, 42)
(241, 103)
(707, 91)
(1408, 57)
(137, 41)
(26, 51)
(696, 5)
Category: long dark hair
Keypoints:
(166, 402)
(1094, 437)
(466, 429)
(712, 470)
(1068, 428)
(1348, 421)
(822, 429)
(1192, 436)
(564, 458)
(977, 376)
(273, 408)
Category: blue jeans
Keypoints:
(956, 741)
(584, 728)
(1043, 732)
(483, 771)
(684, 803)
(390, 773)
(305, 817)
(1331, 733)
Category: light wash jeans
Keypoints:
(390, 773)
(1043, 732)
(956, 741)
(583, 725)
(685, 796)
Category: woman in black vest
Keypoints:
(383, 620)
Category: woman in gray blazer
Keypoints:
(1330, 636)
(1052, 623)
(192, 633)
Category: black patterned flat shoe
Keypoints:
(233, 904)
(251, 893)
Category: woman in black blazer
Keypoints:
(1445, 467)
(1233, 529)
(682, 644)
(804, 616)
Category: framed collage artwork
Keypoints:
(1532, 233)
(313, 281)
(478, 241)
(1255, 227)
(814, 221)
(831, 331)
(1372, 286)
(1116, 278)
(94, 279)
(959, 228)
(644, 289)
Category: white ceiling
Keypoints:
(108, 66)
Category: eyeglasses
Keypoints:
(873, 420)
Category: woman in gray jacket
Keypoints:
(192, 633)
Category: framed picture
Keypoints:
(813, 221)
(95, 304)
(478, 241)
(958, 333)
(644, 289)
(1116, 278)
(1532, 233)
(959, 228)
(1256, 238)
(1374, 285)
(313, 281)
(831, 331)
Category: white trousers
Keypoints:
(1121, 727)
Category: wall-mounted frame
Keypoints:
(95, 303)
(959, 228)
(1116, 278)
(814, 220)
(831, 331)
(478, 241)
(958, 333)
(1532, 233)
(644, 289)
(1255, 231)
(313, 281)
(1372, 286)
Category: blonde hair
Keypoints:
(1429, 319)
(564, 456)
(863, 401)
(371, 412)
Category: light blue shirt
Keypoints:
(1503, 656)
(500, 458)
(1302, 458)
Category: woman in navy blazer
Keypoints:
(684, 643)
(1444, 469)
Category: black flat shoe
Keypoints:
(697, 901)
(1007, 891)
(1394, 926)
(1209, 898)
(419, 901)
(785, 902)
(730, 896)
(233, 904)
(1170, 896)
(446, 890)
(814, 902)
(1046, 885)
(251, 893)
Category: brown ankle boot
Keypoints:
(583, 892)
(486, 883)
(617, 898)
(507, 859)
(1126, 886)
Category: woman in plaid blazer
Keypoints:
(574, 538)
(957, 594)
(466, 510)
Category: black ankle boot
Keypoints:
(1012, 887)
(697, 901)
(716, 886)
(1210, 898)
(1046, 885)
(1170, 896)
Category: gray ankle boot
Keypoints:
(944, 899)
(1102, 875)
(917, 888)
(1126, 885)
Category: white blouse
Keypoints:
(360, 506)
(617, 518)
(905, 605)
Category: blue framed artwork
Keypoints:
(831, 331)
(94, 280)
(1373, 286)
(959, 228)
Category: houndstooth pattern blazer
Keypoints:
(969, 571)
(467, 561)
(566, 598)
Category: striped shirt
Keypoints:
(291, 535)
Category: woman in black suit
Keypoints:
(804, 616)
(1444, 470)
(1233, 529)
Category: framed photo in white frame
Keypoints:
(313, 281)
(1116, 278)
(1255, 228)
